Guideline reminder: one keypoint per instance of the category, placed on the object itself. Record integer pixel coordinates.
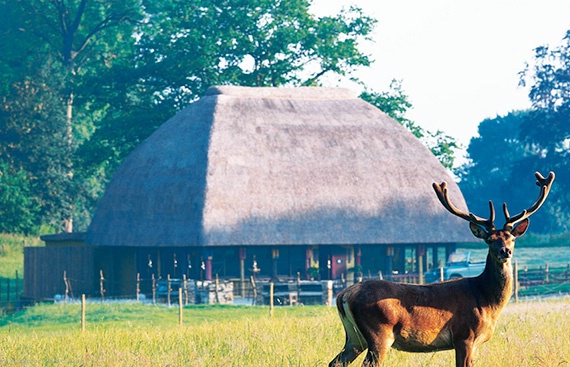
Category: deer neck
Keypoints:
(496, 283)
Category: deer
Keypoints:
(458, 314)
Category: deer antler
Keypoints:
(544, 184)
(442, 194)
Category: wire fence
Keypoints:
(530, 282)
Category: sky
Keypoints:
(458, 61)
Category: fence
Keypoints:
(10, 293)
(544, 281)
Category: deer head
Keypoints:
(500, 242)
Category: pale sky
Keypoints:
(458, 60)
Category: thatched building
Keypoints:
(308, 180)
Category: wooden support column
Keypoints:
(421, 255)
(389, 262)
(242, 256)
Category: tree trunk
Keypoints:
(68, 222)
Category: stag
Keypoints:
(459, 314)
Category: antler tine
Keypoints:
(545, 184)
(443, 196)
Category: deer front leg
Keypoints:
(464, 353)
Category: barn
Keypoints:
(271, 182)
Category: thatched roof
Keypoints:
(277, 166)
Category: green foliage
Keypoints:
(18, 210)
(510, 148)
(49, 52)
(547, 130)
(493, 154)
(395, 104)
(32, 126)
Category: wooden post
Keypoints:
(242, 256)
(179, 306)
(17, 300)
(138, 286)
(101, 286)
(298, 287)
(153, 289)
(216, 292)
(254, 290)
(168, 289)
(271, 299)
(66, 286)
(330, 293)
(185, 287)
(82, 312)
(441, 274)
(516, 280)
(421, 269)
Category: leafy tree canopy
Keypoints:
(510, 148)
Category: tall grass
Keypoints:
(528, 334)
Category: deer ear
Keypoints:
(477, 231)
(520, 228)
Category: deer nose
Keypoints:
(505, 253)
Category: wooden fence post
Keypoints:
(217, 284)
(101, 285)
(298, 287)
(254, 290)
(82, 312)
(153, 289)
(17, 300)
(329, 293)
(185, 287)
(66, 294)
(138, 286)
(271, 299)
(168, 289)
(179, 306)
(516, 274)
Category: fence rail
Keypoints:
(542, 281)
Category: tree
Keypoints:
(492, 157)
(18, 210)
(34, 149)
(547, 130)
(184, 48)
(76, 39)
(395, 104)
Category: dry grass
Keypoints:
(528, 334)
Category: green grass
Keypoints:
(12, 254)
(528, 334)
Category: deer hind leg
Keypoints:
(379, 344)
(345, 357)
(355, 343)
(464, 353)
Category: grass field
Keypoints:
(528, 334)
